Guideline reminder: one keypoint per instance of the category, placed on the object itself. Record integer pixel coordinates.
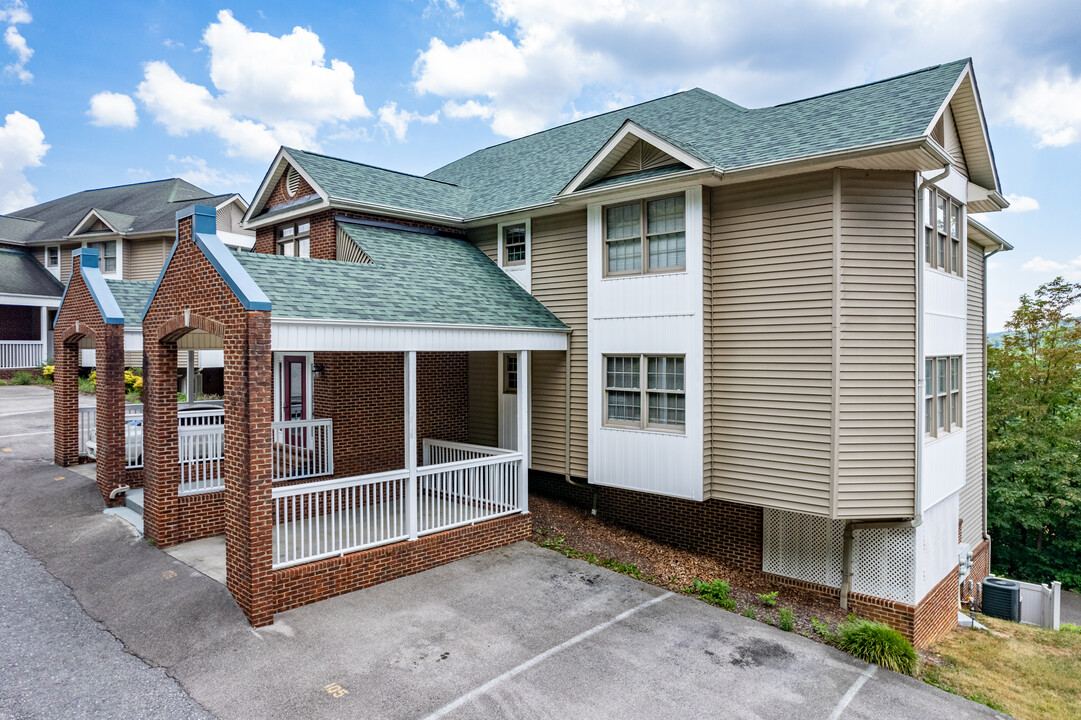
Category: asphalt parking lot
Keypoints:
(87, 607)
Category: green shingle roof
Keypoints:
(21, 274)
(356, 181)
(414, 278)
(131, 296)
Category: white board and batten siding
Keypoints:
(659, 314)
(329, 336)
(971, 503)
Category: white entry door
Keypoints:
(508, 401)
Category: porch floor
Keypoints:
(207, 556)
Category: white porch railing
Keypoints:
(302, 449)
(201, 451)
(88, 418)
(434, 452)
(21, 354)
(328, 518)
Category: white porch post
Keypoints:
(523, 429)
(411, 440)
(189, 380)
(44, 335)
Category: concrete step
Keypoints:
(128, 515)
(133, 500)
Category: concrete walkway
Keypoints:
(518, 632)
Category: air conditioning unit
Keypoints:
(1001, 599)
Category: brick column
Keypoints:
(161, 473)
(249, 411)
(65, 401)
(110, 412)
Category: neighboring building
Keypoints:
(756, 333)
(132, 227)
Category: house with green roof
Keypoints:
(751, 332)
(132, 226)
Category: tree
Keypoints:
(1034, 439)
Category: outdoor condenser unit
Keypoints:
(1001, 599)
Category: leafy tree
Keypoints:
(1034, 439)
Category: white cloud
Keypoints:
(468, 109)
(196, 171)
(15, 12)
(109, 109)
(269, 91)
(22, 146)
(396, 122)
(17, 44)
(1070, 270)
(1021, 203)
(172, 44)
(1050, 106)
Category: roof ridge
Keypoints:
(369, 165)
(929, 68)
(722, 100)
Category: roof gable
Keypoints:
(963, 104)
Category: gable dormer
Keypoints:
(641, 156)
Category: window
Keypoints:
(942, 232)
(645, 236)
(655, 382)
(52, 256)
(510, 373)
(942, 395)
(294, 240)
(514, 251)
(106, 255)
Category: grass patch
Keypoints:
(749, 612)
(559, 544)
(715, 593)
(1025, 671)
(878, 644)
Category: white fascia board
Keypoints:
(234, 198)
(297, 334)
(985, 237)
(949, 96)
(968, 74)
(274, 173)
(629, 127)
(91, 215)
(244, 242)
(299, 211)
(50, 301)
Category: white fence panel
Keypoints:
(1040, 604)
(202, 455)
(21, 354)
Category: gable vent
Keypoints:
(349, 251)
(292, 181)
(641, 156)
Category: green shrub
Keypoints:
(748, 612)
(1070, 627)
(715, 593)
(823, 629)
(786, 619)
(21, 377)
(769, 599)
(877, 644)
(88, 385)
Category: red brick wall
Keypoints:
(20, 322)
(324, 579)
(364, 394)
(200, 516)
(324, 242)
(280, 194)
(936, 614)
(981, 568)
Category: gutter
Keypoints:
(1002, 246)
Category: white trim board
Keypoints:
(301, 336)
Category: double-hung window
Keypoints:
(106, 255)
(942, 218)
(294, 240)
(52, 256)
(645, 391)
(510, 373)
(942, 395)
(645, 236)
(514, 245)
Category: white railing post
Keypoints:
(523, 429)
(411, 440)
(1054, 600)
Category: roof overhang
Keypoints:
(282, 162)
(52, 301)
(610, 153)
(972, 129)
(981, 200)
(985, 237)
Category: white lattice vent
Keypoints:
(292, 181)
(804, 547)
(936, 545)
(883, 563)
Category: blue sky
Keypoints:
(106, 93)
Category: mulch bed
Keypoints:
(671, 568)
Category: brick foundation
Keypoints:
(324, 579)
(200, 516)
(981, 568)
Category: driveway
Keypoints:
(517, 632)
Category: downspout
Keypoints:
(917, 519)
(986, 534)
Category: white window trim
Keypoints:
(933, 193)
(54, 269)
(308, 381)
(118, 274)
(522, 272)
(643, 389)
(931, 431)
(643, 237)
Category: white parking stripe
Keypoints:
(856, 685)
(43, 432)
(541, 658)
(27, 412)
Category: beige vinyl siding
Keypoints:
(559, 281)
(975, 388)
(877, 407)
(707, 343)
(39, 254)
(65, 260)
(483, 398)
(144, 259)
(485, 239)
(771, 336)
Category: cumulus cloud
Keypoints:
(1070, 270)
(396, 122)
(22, 146)
(268, 91)
(1021, 203)
(196, 171)
(14, 13)
(109, 109)
(552, 62)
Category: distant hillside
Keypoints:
(993, 339)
